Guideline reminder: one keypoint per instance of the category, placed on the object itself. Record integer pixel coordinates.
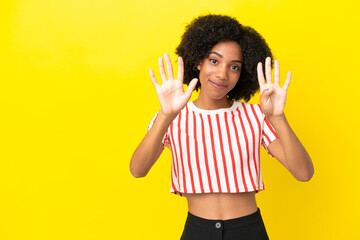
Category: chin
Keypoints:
(218, 96)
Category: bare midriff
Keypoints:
(221, 205)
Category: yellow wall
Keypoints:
(76, 99)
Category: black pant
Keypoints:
(249, 227)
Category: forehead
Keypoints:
(228, 49)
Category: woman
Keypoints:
(215, 140)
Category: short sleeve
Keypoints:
(268, 135)
(165, 140)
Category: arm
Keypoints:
(288, 150)
(172, 99)
(150, 147)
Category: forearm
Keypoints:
(150, 147)
(297, 159)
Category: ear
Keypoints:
(199, 66)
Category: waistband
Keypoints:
(225, 224)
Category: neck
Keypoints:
(212, 104)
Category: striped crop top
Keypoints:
(217, 150)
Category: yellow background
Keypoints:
(76, 99)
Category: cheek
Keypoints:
(202, 77)
(204, 73)
(234, 82)
(235, 78)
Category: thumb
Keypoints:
(191, 87)
(266, 94)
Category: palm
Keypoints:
(171, 94)
(272, 96)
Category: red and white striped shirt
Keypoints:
(217, 150)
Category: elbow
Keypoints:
(306, 177)
(306, 173)
(136, 173)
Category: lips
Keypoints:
(217, 85)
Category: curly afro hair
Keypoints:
(205, 32)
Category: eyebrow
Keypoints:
(216, 53)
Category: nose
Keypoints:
(221, 72)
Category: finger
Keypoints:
(268, 69)
(191, 88)
(287, 81)
(169, 68)
(277, 73)
(153, 79)
(162, 70)
(180, 75)
(260, 74)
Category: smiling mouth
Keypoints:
(217, 85)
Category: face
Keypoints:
(220, 71)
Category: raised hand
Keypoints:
(272, 96)
(171, 93)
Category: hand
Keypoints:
(171, 93)
(272, 96)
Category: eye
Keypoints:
(235, 68)
(212, 60)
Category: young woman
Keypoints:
(215, 140)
